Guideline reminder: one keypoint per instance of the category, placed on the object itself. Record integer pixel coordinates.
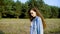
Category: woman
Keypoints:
(37, 21)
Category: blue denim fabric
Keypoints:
(36, 26)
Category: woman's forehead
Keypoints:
(32, 11)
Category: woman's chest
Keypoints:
(34, 24)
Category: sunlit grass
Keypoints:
(22, 26)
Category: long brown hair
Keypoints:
(38, 14)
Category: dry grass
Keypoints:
(21, 26)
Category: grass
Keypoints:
(53, 26)
(22, 26)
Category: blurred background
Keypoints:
(14, 15)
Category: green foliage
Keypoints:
(55, 12)
(18, 7)
(19, 10)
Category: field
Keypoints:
(22, 26)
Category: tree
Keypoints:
(46, 11)
(24, 10)
(18, 7)
(31, 3)
(1, 7)
(54, 12)
(59, 12)
(7, 8)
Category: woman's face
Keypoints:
(33, 13)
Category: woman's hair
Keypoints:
(38, 14)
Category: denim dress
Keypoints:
(36, 26)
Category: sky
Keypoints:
(49, 2)
(53, 2)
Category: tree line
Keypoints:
(12, 9)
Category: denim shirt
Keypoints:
(36, 26)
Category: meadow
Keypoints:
(22, 26)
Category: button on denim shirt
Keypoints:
(36, 26)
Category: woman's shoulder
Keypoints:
(37, 17)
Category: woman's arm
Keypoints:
(39, 26)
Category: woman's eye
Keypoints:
(31, 13)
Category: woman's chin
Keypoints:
(34, 16)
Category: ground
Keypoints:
(22, 26)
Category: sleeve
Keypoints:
(39, 26)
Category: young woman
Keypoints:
(37, 21)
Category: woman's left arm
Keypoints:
(39, 26)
